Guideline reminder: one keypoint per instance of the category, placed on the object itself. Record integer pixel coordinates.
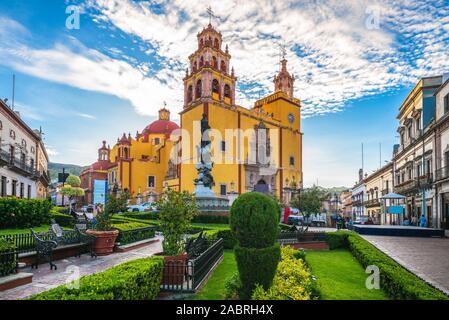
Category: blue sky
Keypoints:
(354, 62)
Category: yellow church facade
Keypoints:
(257, 149)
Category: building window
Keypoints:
(418, 170)
(292, 161)
(157, 141)
(410, 174)
(223, 189)
(446, 103)
(24, 143)
(3, 187)
(215, 86)
(189, 94)
(12, 134)
(223, 146)
(199, 89)
(151, 181)
(14, 188)
(22, 190)
(29, 192)
(227, 91)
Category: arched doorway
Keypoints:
(261, 186)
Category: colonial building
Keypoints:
(358, 197)
(23, 159)
(441, 156)
(253, 149)
(346, 204)
(377, 185)
(413, 161)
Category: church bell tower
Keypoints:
(209, 77)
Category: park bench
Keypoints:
(196, 246)
(59, 239)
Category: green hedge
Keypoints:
(8, 263)
(208, 218)
(134, 280)
(142, 215)
(396, 281)
(229, 241)
(63, 220)
(24, 213)
(127, 226)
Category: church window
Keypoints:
(151, 181)
(292, 161)
(227, 91)
(214, 63)
(223, 66)
(189, 93)
(215, 86)
(201, 62)
(216, 43)
(223, 146)
(157, 141)
(223, 189)
(125, 153)
(199, 89)
(201, 43)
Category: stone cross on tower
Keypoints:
(211, 14)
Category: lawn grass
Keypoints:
(340, 276)
(215, 286)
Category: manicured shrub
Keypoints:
(24, 213)
(396, 281)
(126, 226)
(293, 280)
(153, 215)
(337, 240)
(254, 220)
(208, 218)
(8, 262)
(257, 266)
(64, 220)
(229, 241)
(254, 225)
(134, 280)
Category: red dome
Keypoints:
(160, 127)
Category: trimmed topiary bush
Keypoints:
(209, 218)
(134, 280)
(254, 220)
(254, 225)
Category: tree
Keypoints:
(72, 188)
(254, 224)
(176, 211)
(309, 201)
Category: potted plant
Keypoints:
(176, 211)
(104, 233)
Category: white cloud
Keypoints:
(86, 116)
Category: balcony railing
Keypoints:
(442, 173)
(372, 203)
(16, 163)
(414, 185)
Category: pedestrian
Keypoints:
(423, 222)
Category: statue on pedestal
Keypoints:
(204, 167)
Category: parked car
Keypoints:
(363, 220)
(87, 209)
(295, 220)
(147, 206)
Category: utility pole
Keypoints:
(63, 182)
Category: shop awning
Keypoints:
(392, 196)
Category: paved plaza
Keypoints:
(44, 279)
(428, 258)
